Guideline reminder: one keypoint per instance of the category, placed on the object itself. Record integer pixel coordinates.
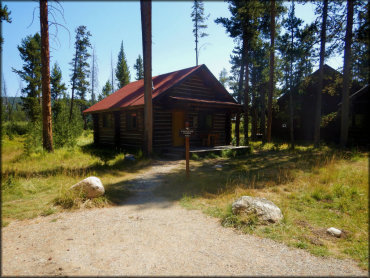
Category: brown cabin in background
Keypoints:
(304, 99)
(193, 94)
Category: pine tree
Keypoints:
(288, 46)
(321, 74)
(346, 76)
(57, 87)
(223, 78)
(146, 31)
(4, 15)
(198, 19)
(106, 91)
(122, 71)
(30, 52)
(361, 43)
(139, 67)
(47, 131)
(80, 66)
(272, 68)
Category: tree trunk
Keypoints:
(246, 92)
(263, 115)
(346, 76)
(272, 69)
(291, 122)
(291, 111)
(239, 98)
(316, 135)
(47, 132)
(254, 109)
(196, 34)
(146, 25)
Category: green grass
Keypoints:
(315, 189)
(38, 184)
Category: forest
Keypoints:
(274, 55)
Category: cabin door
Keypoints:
(178, 122)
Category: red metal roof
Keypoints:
(133, 94)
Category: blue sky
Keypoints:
(113, 22)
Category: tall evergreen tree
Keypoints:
(47, 131)
(321, 74)
(346, 75)
(272, 68)
(146, 27)
(57, 87)
(361, 43)
(4, 15)
(30, 52)
(80, 65)
(106, 91)
(223, 78)
(122, 71)
(288, 45)
(139, 67)
(243, 24)
(198, 19)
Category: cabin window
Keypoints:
(107, 120)
(206, 121)
(131, 120)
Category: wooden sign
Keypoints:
(187, 132)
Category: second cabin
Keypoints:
(191, 95)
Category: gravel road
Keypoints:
(148, 235)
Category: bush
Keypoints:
(14, 128)
(33, 141)
(65, 131)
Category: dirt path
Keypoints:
(148, 235)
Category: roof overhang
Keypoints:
(206, 102)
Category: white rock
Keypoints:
(217, 166)
(91, 186)
(334, 232)
(264, 209)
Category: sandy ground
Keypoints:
(148, 235)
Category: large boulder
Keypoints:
(91, 186)
(265, 210)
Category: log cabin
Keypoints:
(191, 95)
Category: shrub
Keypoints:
(33, 141)
(14, 128)
(65, 131)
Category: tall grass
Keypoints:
(315, 189)
(38, 183)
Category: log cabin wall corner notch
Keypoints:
(192, 94)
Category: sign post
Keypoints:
(187, 132)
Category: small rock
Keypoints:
(92, 186)
(264, 209)
(334, 232)
(217, 166)
(130, 157)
